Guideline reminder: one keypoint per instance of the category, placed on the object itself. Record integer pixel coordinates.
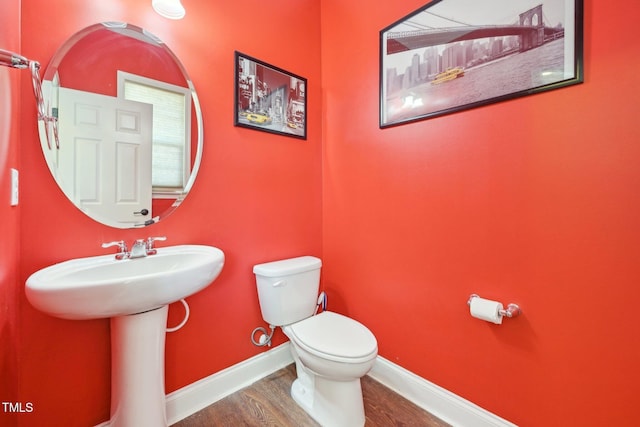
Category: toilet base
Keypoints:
(330, 403)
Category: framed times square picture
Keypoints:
(269, 99)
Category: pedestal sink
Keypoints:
(135, 294)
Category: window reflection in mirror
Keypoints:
(171, 142)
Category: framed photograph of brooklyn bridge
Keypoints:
(452, 55)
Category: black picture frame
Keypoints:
(453, 55)
(269, 99)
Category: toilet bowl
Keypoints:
(331, 351)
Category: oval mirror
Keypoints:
(123, 135)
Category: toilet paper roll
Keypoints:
(485, 309)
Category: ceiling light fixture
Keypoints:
(171, 9)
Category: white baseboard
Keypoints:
(197, 396)
(434, 399)
(443, 404)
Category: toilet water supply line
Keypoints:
(265, 337)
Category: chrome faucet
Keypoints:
(141, 248)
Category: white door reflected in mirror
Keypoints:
(104, 164)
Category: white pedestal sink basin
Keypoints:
(135, 294)
(102, 287)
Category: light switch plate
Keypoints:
(14, 187)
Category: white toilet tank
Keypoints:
(288, 289)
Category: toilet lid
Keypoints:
(336, 335)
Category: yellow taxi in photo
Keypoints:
(259, 119)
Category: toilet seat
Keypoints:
(334, 337)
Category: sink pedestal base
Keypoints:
(137, 369)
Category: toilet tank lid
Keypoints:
(286, 267)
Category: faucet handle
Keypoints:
(122, 246)
(150, 241)
(119, 243)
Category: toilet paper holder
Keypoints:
(512, 310)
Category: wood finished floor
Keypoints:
(268, 403)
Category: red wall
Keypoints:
(9, 216)
(534, 201)
(257, 197)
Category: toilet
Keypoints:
(331, 351)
